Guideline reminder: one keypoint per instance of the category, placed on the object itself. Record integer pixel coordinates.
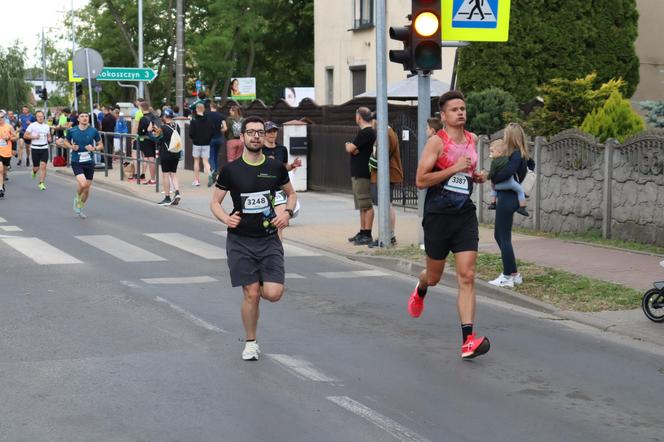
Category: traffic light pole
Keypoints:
(383, 183)
(423, 113)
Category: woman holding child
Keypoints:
(506, 179)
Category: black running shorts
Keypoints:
(169, 164)
(87, 169)
(252, 260)
(39, 156)
(6, 161)
(450, 233)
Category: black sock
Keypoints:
(421, 291)
(466, 330)
(249, 340)
(365, 232)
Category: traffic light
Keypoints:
(426, 36)
(79, 89)
(402, 56)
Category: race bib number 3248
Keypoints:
(255, 202)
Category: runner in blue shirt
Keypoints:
(24, 119)
(83, 140)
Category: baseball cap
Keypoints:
(168, 113)
(270, 125)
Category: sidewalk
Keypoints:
(326, 220)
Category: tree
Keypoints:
(614, 119)
(13, 88)
(489, 110)
(655, 109)
(556, 39)
(567, 102)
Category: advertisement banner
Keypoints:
(293, 95)
(243, 88)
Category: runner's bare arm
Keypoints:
(218, 196)
(425, 176)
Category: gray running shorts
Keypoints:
(253, 260)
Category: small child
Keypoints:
(499, 159)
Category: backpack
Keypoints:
(175, 145)
(59, 161)
(236, 128)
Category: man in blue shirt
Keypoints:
(83, 141)
(24, 119)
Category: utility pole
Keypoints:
(385, 234)
(141, 85)
(73, 49)
(43, 48)
(179, 67)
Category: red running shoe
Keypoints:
(415, 304)
(474, 346)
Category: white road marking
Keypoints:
(300, 368)
(120, 249)
(353, 274)
(191, 245)
(2, 220)
(289, 249)
(130, 284)
(40, 252)
(295, 276)
(181, 280)
(11, 228)
(193, 318)
(383, 422)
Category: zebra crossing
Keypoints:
(43, 253)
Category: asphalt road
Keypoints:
(95, 344)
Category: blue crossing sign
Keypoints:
(475, 20)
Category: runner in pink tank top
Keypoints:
(447, 170)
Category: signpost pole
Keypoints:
(141, 85)
(89, 75)
(423, 113)
(385, 233)
(73, 49)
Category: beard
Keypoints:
(253, 149)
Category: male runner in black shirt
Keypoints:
(255, 254)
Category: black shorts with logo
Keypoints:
(445, 233)
(255, 259)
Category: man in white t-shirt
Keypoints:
(39, 134)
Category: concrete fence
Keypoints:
(585, 185)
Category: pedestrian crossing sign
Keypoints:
(475, 20)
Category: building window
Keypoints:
(359, 77)
(329, 86)
(363, 14)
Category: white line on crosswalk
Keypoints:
(180, 280)
(193, 318)
(11, 228)
(383, 422)
(2, 220)
(295, 276)
(290, 250)
(191, 245)
(40, 252)
(352, 274)
(119, 248)
(301, 368)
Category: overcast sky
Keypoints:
(23, 19)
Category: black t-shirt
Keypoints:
(252, 189)
(359, 164)
(165, 141)
(216, 118)
(279, 153)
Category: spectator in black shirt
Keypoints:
(217, 119)
(360, 151)
(200, 132)
(108, 125)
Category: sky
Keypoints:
(23, 20)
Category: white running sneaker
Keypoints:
(517, 279)
(251, 351)
(503, 281)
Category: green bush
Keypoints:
(487, 110)
(615, 119)
(567, 102)
(556, 39)
(655, 110)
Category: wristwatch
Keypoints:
(289, 211)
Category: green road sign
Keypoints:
(127, 74)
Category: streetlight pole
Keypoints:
(43, 48)
(73, 49)
(179, 67)
(141, 85)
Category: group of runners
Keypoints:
(264, 201)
